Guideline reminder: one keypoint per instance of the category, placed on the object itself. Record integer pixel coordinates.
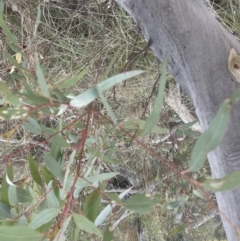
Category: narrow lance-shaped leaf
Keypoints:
(6, 30)
(32, 126)
(23, 195)
(34, 170)
(173, 205)
(91, 205)
(73, 81)
(51, 196)
(140, 124)
(9, 96)
(70, 162)
(54, 166)
(198, 193)
(90, 95)
(4, 211)
(12, 113)
(12, 195)
(5, 185)
(229, 182)
(152, 120)
(41, 79)
(44, 217)
(84, 224)
(177, 230)
(59, 141)
(211, 138)
(107, 106)
(140, 203)
(17, 233)
(88, 181)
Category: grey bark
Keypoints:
(197, 47)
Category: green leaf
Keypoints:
(91, 94)
(5, 185)
(73, 81)
(135, 123)
(91, 205)
(32, 126)
(173, 204)
(59, 141)
(9, 96)
(102, 156)
(198, 194)
(23, 196)
(70, 162)
(88, 181)
(34, 170)
(112, 81)
(62, 109)
(229, 182)
(41, 79)
(48, 176)
(51, 197)
(48, 131)
(211, 138)
(235, 96)
(152, 120)
(54, 166)
(11, 113)
(5, 211)
(22, 221)
(186, 127)
(45, 227)
(17, 233)
(108, 234)
(34, 99)
(102, 177)
(140, 203)
(63, 193)
(84, 224)
(114, 197)
(177, 230)
(42, 205)
(44, 217)
(56, 152)
(85, 98)
(56, 139)
(12, 195)
(7, 32)
(60, 96)
(107, 106)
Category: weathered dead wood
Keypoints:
(198, 47)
